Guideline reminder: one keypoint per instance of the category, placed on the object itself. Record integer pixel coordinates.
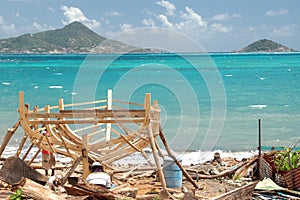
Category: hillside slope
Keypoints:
(73, 38)
(265, 45)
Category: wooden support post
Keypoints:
(76, 163)
(85, 157)
(259, 138)
(109, 107)
(21, 106)
(157, 162)
(35, 155)
(35, 110)
(155, 123)
(8, 135)
(184, 172)
(21, 145)
(152, 143)
(61, 104)
(29, 149)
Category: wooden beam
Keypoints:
(8, 135)
(109, 107)
(101, 114)
(85, 157)
(86, 121)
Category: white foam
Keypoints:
(5, 83)
(57, 74)
(199, 157)
(229, 75)
(55, 86)
(259, 106)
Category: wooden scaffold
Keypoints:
(116, 132)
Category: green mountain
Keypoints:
(73, 38)
(265, 45)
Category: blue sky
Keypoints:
(217, 25)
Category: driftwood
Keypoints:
(97, 192)
(14, 169)
(244, 170)
(244, 192)
(195, 173)
(37, 191)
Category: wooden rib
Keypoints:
(125, 102)
(21, 145)
(114, 141)
(8, 136)
(64, 144)
(35, 155)
(84, 128)
(85, 103)
(55, 140)
(70, 134)
(123, 152)
(97, 108)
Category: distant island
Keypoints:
(77, 38)
(265, 45)
(73, 38)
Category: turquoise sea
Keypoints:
(208, 101)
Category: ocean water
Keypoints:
(208, 101)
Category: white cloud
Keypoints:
(8, 28)
(165, 21)
(285, 31)
(126, 27)
(277, 12)
(192, 17)
(168, 6)
(148, 22)
(113, 13)
(220, 28)
(41, 27)
(225, 16)
(75, 14)
(281, 31)
(51, 9)
(221, 17)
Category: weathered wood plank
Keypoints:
(15, 168)
(89, 113)
(85, 121)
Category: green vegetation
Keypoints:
(287, 159)
(265, 45)
(73, 38)
(17, 195)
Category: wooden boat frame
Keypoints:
(116, 142)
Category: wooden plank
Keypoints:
(86, 121)
(33, 190)
(244, 192)
(109, 107)
(8, 135)
(88, 113)
(14, 169)
(85, 157)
